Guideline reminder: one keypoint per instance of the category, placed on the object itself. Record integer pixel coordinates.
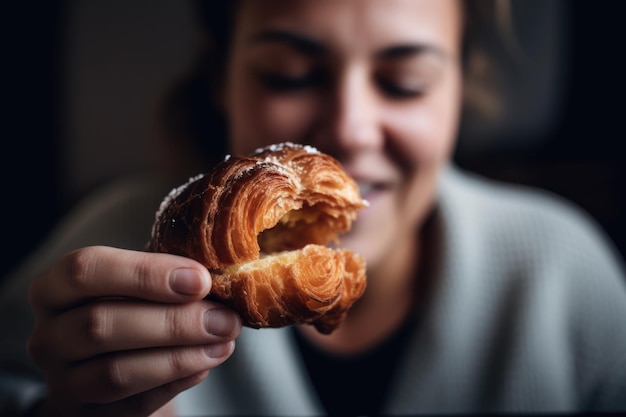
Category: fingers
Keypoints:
(147, 402)
(110, 272)
(110, 379)
(118, 325)
(125, 331)
(143, 404)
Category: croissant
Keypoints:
(260, 223)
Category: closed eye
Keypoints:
(399, 91)
(279, 82)
(408, 71)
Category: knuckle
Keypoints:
(79, 266)
(184, 322)
(143, 275)
(178, 362)
(97, 324)
(114, 380)
(174, 326)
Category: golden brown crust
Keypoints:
(259, 223)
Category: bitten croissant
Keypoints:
(260, 224)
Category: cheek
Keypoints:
(425, 131)
(424, 134)
(424, 140)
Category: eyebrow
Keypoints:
(297, 41)
(310, 46)
(409, 50)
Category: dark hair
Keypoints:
(190, 117)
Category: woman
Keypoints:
(480, 298)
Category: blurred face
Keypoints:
(374, 83)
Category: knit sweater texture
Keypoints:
(527, 312)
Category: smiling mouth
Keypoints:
(369, 188)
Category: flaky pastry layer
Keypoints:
(260, 224)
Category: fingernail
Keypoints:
(220, 322)
(219, 350)
(186, 281)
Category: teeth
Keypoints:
(365, 188)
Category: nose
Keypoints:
(352, 117)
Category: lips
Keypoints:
(367, 189)
(373, 177)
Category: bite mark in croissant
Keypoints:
(260, 224)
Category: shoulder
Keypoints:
(534, 222)
(550, 268)
(534, 244)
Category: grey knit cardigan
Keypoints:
(527, 313)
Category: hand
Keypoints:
(121, 332)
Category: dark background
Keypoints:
(578, 153)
